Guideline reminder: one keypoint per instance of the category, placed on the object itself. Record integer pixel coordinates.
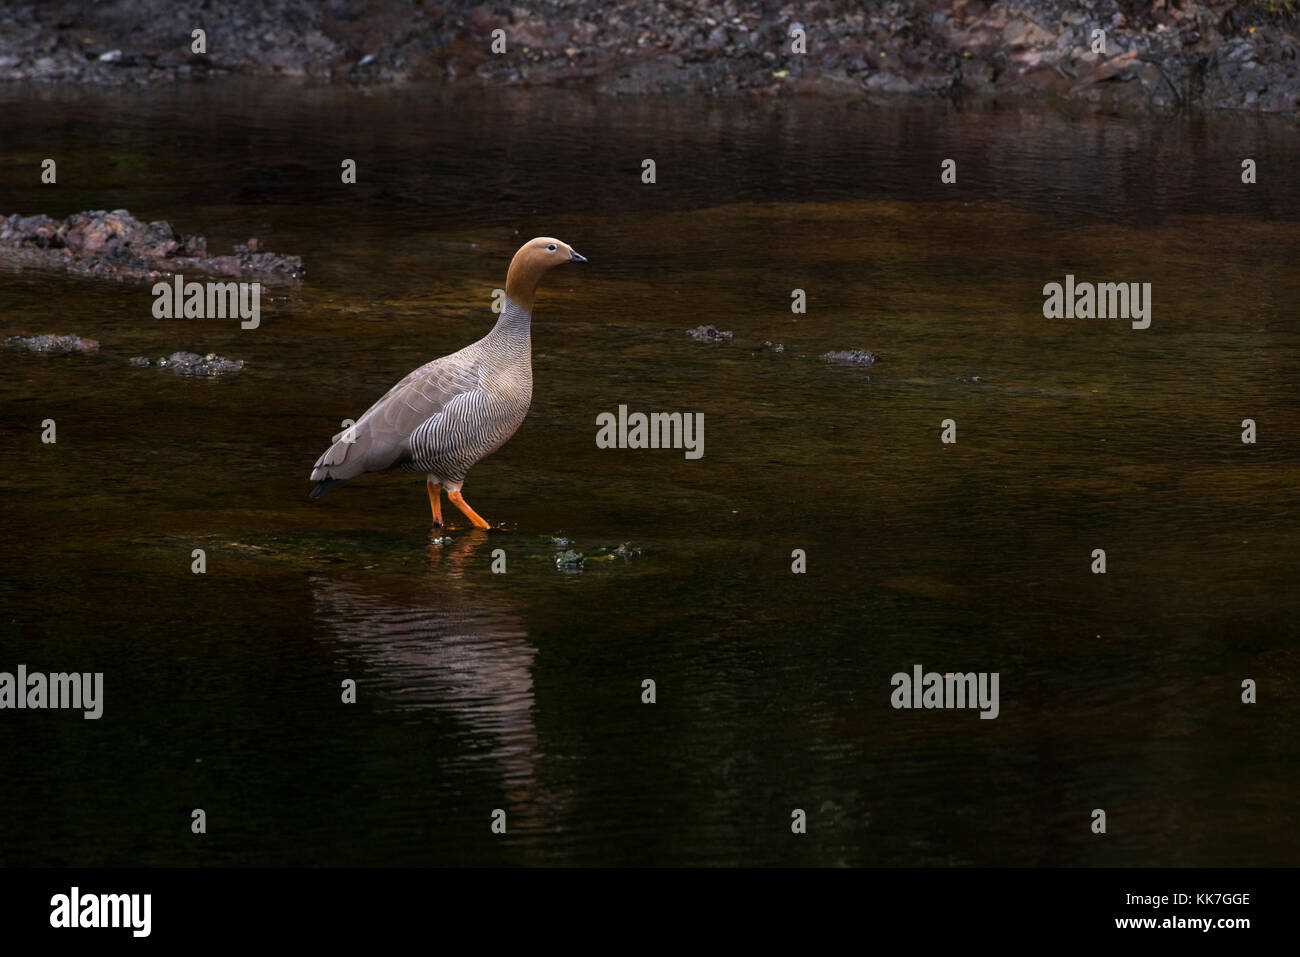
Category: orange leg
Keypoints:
(435, 503)
(459, 501)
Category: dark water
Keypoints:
(522, 691)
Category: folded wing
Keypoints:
(381, 437)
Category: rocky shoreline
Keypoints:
(116, 245)
(1162, 54)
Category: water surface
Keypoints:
(522, 691)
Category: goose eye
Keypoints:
(551, 248)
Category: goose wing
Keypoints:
(381, 437)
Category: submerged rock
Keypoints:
(116, 245)
(57, 345)
(625, 551)
(851, 357)
(182, 363)
(191, 363)
(569, 559)
(708, 334)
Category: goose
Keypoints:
(450, 413)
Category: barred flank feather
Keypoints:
(444, 416)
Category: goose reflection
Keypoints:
(447, 639)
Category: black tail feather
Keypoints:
(323, 486)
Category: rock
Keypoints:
(708, 334)
(1113, 67)
(1024, 33)
(55, 345)
(888, 83)
(191, 363)
(851, 357)
(569, 559)
(182, 363)
(828, 85)
(116, 245)
(624, 551)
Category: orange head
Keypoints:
(533, 260)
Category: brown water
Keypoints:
(522, 691)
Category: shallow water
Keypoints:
(522, 691)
